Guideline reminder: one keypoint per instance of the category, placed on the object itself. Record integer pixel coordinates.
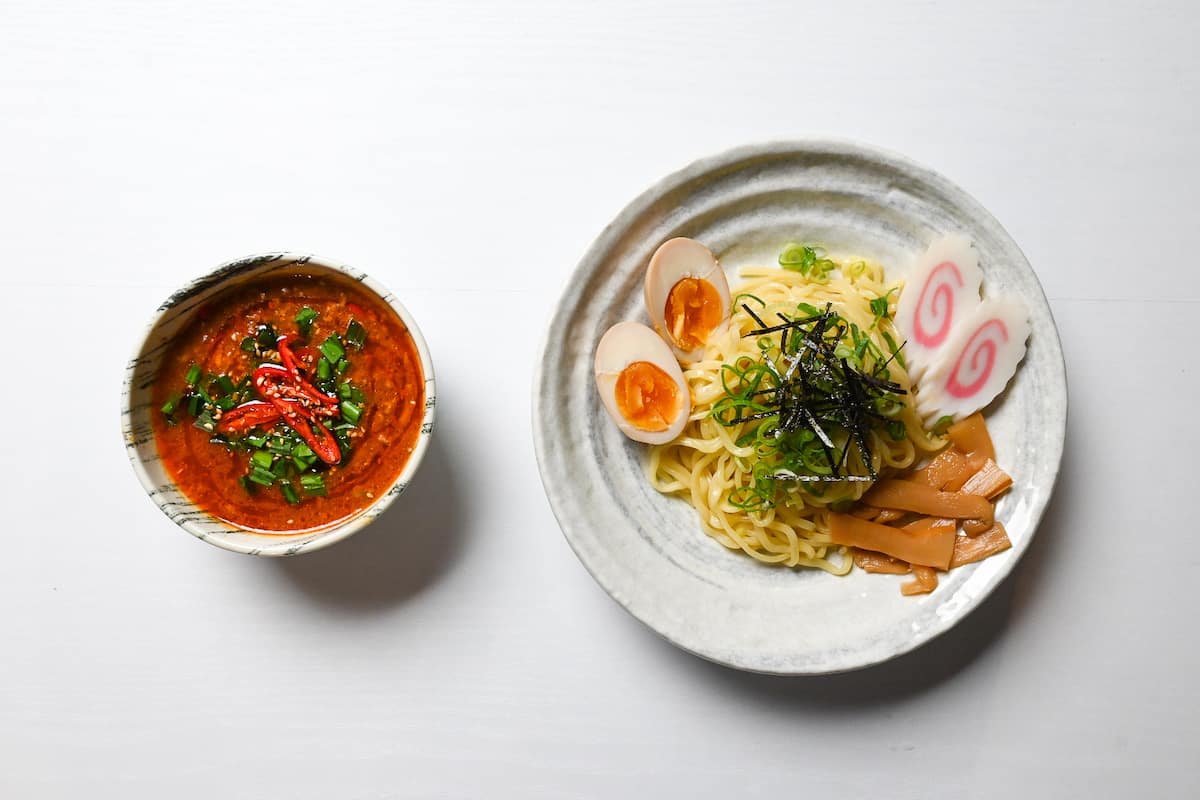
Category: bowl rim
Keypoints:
(284, 544)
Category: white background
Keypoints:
(465, 155)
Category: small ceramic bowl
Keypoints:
(173, 317)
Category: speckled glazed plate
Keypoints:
(647, 550)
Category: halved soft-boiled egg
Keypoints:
(641, 383)
(687, 296)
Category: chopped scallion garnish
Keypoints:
(305, 319)
(263, 477)
(192, 376)
(356, 334)
(289, 493)
(879, 307)
(266, 337)
(350, 412)
(798, 258)
(332, 348)
(313, 484)
(172, 403)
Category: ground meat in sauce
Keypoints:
(387, 369)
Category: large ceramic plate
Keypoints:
(647, 550)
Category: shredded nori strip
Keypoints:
(818, 396)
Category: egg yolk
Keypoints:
(693, 311)
(647, 396)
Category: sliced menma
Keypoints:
(977, 361)
(941, 289)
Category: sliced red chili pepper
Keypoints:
(271, 380)
(287, 356)
(303, 422)
(248, 415)
(293, 367)
(289, 394)
(323, 443)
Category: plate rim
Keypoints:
(710, 164)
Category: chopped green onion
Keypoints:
(332, 348)
(942, 424)
(262, 477)
(895, 351)
(266, 337)
(172, 403)
(249, 345)
(324, 369)
(280, 469)
(262, 458)
(247, 484)
(289, 493)
(304, 320)
(256, 439)
(737, 300)
(897, 431)
(341, 366)
(879, 307)
(344, 390)
(798, 258)
(225, 384)
(313, 484)
(356, 334)
(192, 375)
(821, 268)
(205, 422)
(224, 403)
(351, 412)
(303, 456)
(195, 401)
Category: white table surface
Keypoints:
(465, 155)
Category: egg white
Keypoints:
(674, 260)
(623, 344)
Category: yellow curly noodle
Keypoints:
(705, 464)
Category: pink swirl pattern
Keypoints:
(974, 365)
(936, 309)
